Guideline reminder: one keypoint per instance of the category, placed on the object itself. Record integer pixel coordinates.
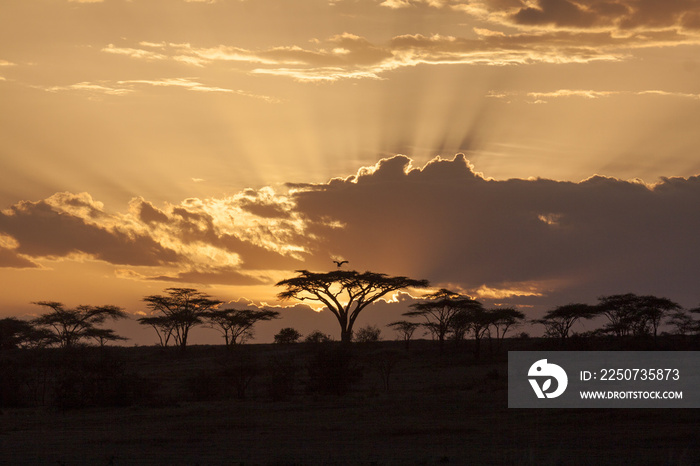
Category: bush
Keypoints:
(317, 336)
(287, 335)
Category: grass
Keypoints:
(440, 409)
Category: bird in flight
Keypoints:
(340, 263)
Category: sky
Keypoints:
(527, 153)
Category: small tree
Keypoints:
(405, 329)
(629, 314)
(16, 333)
(476, 320)
(504, 318)
(558, 321)
(70, 326)
(103, 335)
(163, 325)
(439, 310)
(683, 322)
(178, 312)
(346, 293)
(287, 335)
(235, 325)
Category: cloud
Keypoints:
(502, 32)
(518, 239)
(516, 242)
(213, 276)
(95, 88)
(348, 56)
(544, 97)
(8, 254)
(612, 15)
(66, 224)
(232, 241)
(124, 87)
(135, 53)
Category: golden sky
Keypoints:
(222, 144)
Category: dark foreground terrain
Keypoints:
(310, 404)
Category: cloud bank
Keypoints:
(506, 241)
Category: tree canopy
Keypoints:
(346, 293)
(237, 325)
(631, 314)
(174, 314)
(70, 326)
(440, 311)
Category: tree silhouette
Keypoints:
(345, 293)
(177, 312)
(472, 320)
(405, 329)
(317, 336)
(504, 318)
(163, 325)
(16, 333)
(682, 321)
(558, 321)
(630, 314)
(235, 325)
(287, 335)
(439, 311)
(70, 326)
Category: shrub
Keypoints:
(317, 336)
(287, 335)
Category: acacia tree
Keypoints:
(70, 326)
(235, 325)
(558, 321)
(632, 314)
(473, 320)
(504, 318)
(345, 293)
(177, 312)
(683, 322)
(405, 329)
(16, 333)
(163, 325)
(440, 310)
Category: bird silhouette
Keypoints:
(340, 263)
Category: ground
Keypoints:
(438, 408)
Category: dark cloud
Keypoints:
(8, 258)
(448, 224)
(620, 14)
(264, 209)
(560, 12)
(45, 229)
(219, 276)
(147, 213)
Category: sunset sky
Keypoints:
(528, 153)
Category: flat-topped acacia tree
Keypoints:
(177, 312)
(344, 292)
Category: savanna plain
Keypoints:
(381, 403)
